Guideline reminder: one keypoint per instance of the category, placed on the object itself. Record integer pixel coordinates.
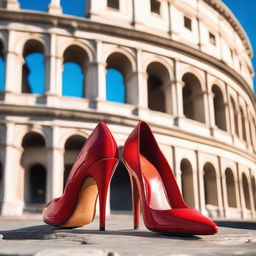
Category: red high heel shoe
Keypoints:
(89, 177)
(154, 184)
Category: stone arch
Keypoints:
(84, 46)
(123, 64)
(33, 139)
(193, 99)
(73, 146)
(210, 185)
(75, 60)
(66, 134)
(187, 182)
(36, 184)
(246, 191)
(35, 173)
(20, 43)
(231, 190)
(219, 108)
(243, 120)
(159, 88)
(30, 130)
(120, 190)
(33, 48)
(234, 116)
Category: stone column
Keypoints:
(251, 196)
(200, 172)
(55, 167)
(168, 90)
(238, 197)
(247, 127)
(96, 78)
(12, 204)
(201, 99)
(96, 81)
(225, 194)
(142, 86)
(219, 178)
(132, 88)
(196, 189)
(178, 108)
(54, 69)
(13, 83)
(55, 7)
(240, 128)
(211, 118)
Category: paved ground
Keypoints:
(30, 236)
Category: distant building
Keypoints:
(187, 71)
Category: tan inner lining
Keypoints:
(85, 209)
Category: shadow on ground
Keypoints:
(49, 232)
(237, 224)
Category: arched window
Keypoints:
(2, 67)
(193, 100)
(252, 131)
(37, 184)
(235, 116)
(120, 192)
(254, 191)
(246, 192)
(73, 77)
(33, 70)
(187, 182)
(41, 5)
(33, 139)
(119, 79)
(158, 78)
(115, 86)
(33, 145)
(231, 190)
(243, 124)
(73, 146)
(75, 8)
(219, 108)
(210, 185)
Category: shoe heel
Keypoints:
(135, 203)
(102, 173)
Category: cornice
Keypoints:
(49, 113)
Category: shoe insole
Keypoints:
(154, 188)
(84, 211)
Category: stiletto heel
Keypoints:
(89, 179)
(102, 173)
(135, 203)
(154, 185)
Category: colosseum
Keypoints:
(186, 70)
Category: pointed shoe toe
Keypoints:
(193, 222)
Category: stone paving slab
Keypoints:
(33, 237)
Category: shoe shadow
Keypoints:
(237, 224)
(46, 232)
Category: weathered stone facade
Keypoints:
(202, 109)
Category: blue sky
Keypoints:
(73, 77)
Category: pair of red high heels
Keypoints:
(152, 180)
